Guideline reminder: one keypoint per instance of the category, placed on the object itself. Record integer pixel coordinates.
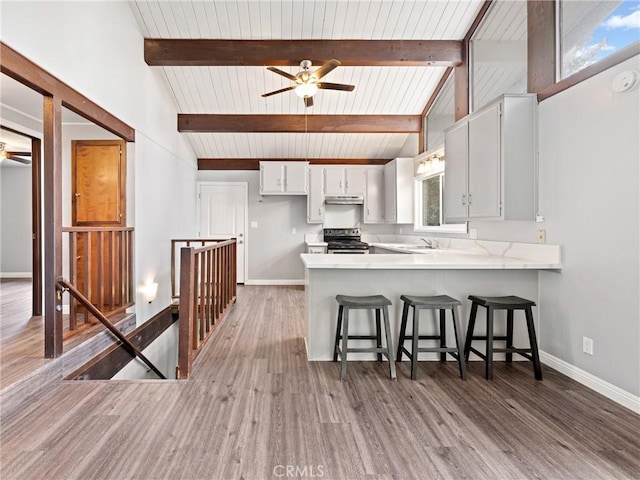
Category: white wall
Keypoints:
(589, 165)
(96, 48)
(15, 220)
(273, 251)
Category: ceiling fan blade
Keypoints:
(283, 73)
(326, 68)
(25, 161)
(308, 101)
(20, 154)
(286, 89)
(335, 86)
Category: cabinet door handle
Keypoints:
(469, 199)
(464, 196)
(340, 183)
(320, 211)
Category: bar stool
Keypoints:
(372, 302)
(510, 304)
(441, 303)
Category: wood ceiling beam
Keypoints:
(209, 123)
(28, 73)
(254, 163)
(239, 53)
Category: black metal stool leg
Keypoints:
(378, 334)
(443, 335)
(414, 343)
(537, 369)
(403, 328)
(345, 342)
(509, 355)
(458, 333)
(489, 351)
(338, 335)
(470, 327)
(387, 332)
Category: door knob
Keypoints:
(240, 242)
(240, 235)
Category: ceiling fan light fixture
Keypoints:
(306, 90)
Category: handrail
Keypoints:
(97, 229)
(66, 286)
(207, 292)
(175, 259)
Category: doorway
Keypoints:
(223, 213)
(98, 205)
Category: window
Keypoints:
(441, 115)
(499, 53)
(432, 201)
(429, 215)
(591, 31)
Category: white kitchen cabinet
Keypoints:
(374, 195)
(315, 198)
(341, 180)
(398, 191)
(355, 180)
(490, 162)
(283, 178)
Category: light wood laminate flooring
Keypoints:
(256, 409)
(22, 336)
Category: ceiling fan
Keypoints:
(15, 156)
(307, 82)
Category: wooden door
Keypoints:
(98, 183)
(98, 199)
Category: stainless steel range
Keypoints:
(344, 240)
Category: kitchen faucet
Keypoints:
(430, 242)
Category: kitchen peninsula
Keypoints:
(472, 267)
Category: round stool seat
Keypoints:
(436, 301)
(370, 301)
(508, 301)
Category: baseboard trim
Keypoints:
(607, 389)
(16, 274)
(274, 282)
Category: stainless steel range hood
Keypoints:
(344, 199)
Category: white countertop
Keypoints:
(508, 256)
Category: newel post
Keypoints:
(186, 312)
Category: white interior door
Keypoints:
(223, 214)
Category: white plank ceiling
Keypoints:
(237, 90)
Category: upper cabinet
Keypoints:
(398, 191)
(374, 195)
(340, 180)
(490, 162)
(283, 178)
(315, 200)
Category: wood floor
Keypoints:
(22, 336)
(256, 409)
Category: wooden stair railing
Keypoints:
(207, 291)
(64, 286)
(101, 268)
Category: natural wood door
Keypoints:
(98, 200)
(98, 183)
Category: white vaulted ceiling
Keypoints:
(401, 90)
